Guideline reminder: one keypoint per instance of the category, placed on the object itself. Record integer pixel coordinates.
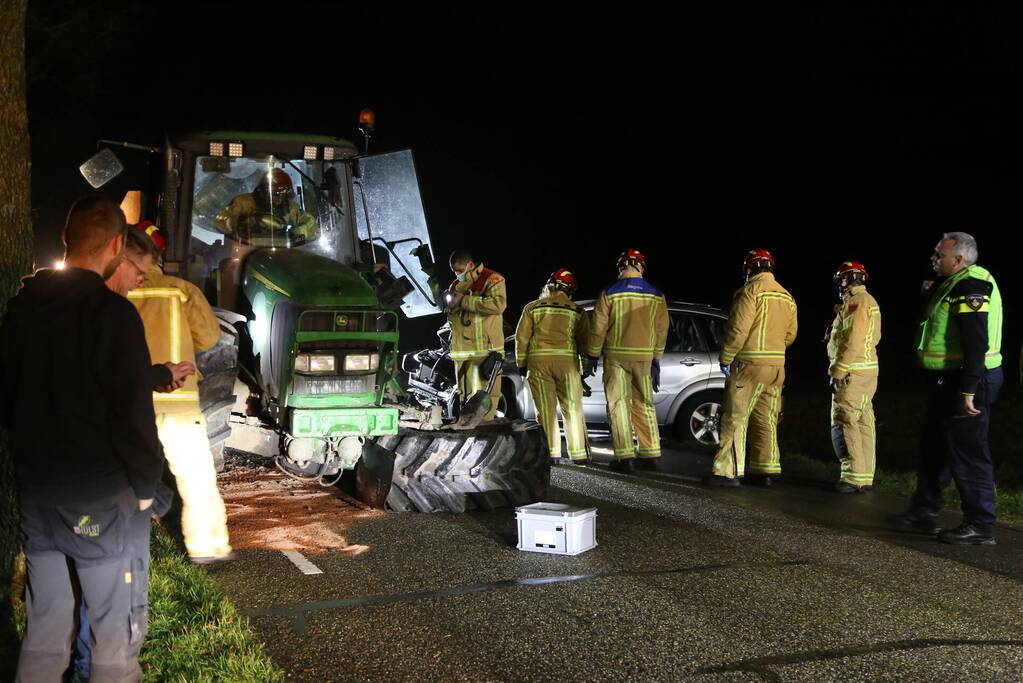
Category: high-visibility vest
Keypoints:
(939, 346)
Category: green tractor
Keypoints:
(311, 254)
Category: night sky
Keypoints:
(542, 140)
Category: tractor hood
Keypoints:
(306, 278)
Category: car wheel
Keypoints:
(698, 421)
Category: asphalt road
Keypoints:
(792, 583)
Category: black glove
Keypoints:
(655, 374)
(590, 366)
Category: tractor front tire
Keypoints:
(219, 368)
(500, 463)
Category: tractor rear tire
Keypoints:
(219, 368)
(500, 463)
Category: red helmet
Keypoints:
(850, 268)
(631, 257)
(154, 234)
(562, 278)
(757, 260)
(278, 182)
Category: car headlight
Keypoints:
(306, 362)
(361, 362)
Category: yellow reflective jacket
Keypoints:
(477, 328)
(630, 322)
(229, 221)
(551, 327)
(855, 332)
(762, 323)
(178, 322)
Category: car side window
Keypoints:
(683, 335)
(714, 330)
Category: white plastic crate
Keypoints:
(556, 528)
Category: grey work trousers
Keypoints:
(114, 582)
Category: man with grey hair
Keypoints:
(960, 348)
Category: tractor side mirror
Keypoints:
(101, 168)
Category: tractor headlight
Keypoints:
(361, 362)
(306, 362)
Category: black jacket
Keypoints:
(972, 326)
(76, 390)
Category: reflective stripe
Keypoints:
(176, 396)
(628, 350)
(175, 331)
(857, 366)
(635, 297)
(744, 355)
(266, 281)
(157, 293)
(468, 355)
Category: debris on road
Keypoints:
(269, 511)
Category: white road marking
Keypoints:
(303, 564)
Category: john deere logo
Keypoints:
(84, 528)
(341, 321)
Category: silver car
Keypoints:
(692, 384)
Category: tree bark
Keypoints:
(15, 259)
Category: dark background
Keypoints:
(821, 133)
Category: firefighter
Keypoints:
(761, 325)
(960, 348)
(853, 370)
(629, 328)
(179, 322)
(548, 338)
(268, 210)
(475, 302)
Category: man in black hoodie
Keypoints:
(75, 387)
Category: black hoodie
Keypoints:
(76, 390)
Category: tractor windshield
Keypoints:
(244, 203)
(266, 202)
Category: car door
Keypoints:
(686, 360)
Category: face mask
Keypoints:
(461, 276)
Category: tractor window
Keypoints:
(389, 214)
(241, 204)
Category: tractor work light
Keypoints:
(305, 362)
(361, 362)
(309, 153)
(329, 153)
(235, 149)
(216, 149)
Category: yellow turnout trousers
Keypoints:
(555, 381)
(852, 428)
(752, 400)
(182, 431)
(630, 408)
(470, 381)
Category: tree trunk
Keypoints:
(15, 261)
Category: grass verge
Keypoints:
(195, 634)
(1008, 501)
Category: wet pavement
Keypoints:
(792, 583)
